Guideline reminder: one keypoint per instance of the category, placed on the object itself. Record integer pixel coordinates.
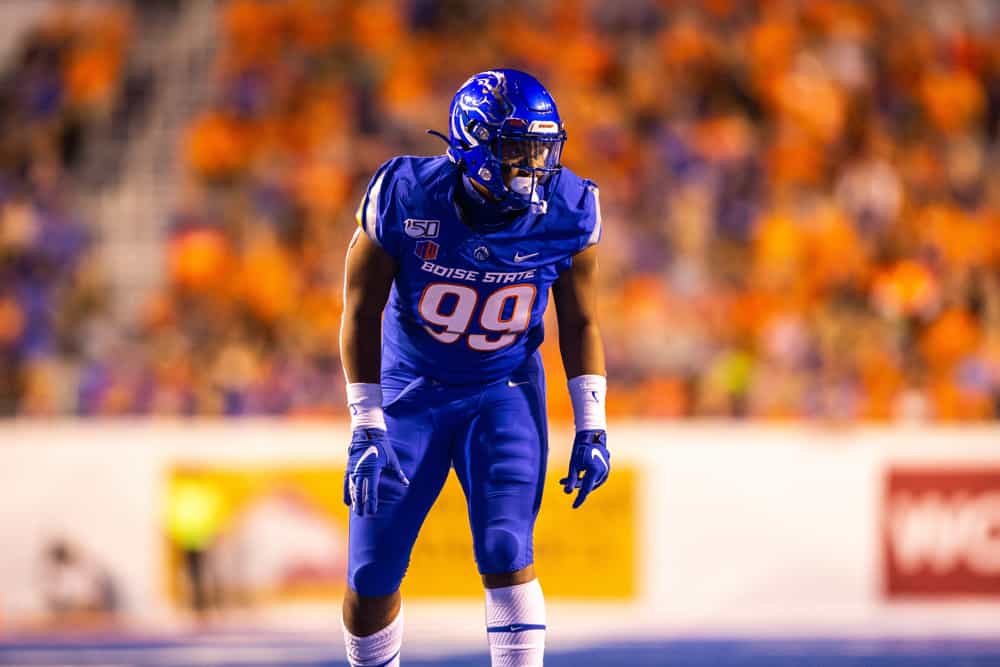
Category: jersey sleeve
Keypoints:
(590, 223)
(374, 214)
(574, 218)
(586, 230)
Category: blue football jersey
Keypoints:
(466, 306)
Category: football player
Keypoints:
(459, 252)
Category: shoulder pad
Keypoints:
(397, 190)
(577, 206)
(370, 211)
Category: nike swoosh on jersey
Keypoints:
(511, 383)
(596, 454)
(518, 257)
(372, 449)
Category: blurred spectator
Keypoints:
(194, 516)
(77, 589)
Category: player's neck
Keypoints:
(478, 209)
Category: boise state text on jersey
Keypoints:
(466, 306)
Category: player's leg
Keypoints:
(366, 615)
(380, 544)
(502, 470)
(373, 629)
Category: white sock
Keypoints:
(515, 625)
(378, 650)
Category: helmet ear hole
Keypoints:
(476, 129)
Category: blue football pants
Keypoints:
(495, 436)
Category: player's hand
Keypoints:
(589, 464)
(370, 453)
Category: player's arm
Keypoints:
(575, 296)
(582, 349)
(367, 280)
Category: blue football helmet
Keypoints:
(506, 132)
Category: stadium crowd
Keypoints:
(801, 204)
(61, 80)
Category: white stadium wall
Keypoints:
(738, 528)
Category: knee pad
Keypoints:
(376, 577)
(500, 552)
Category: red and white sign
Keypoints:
(941, 532)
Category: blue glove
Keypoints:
(369, 454)
(591, 457)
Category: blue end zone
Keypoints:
(267, 650)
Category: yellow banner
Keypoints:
(280, 534)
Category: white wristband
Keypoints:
(588, 393)
(364, 400)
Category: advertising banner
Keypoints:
(246, 535)
(941, 532)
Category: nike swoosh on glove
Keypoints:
(369, 454)
(589, 464)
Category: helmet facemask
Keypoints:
(528, 161)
